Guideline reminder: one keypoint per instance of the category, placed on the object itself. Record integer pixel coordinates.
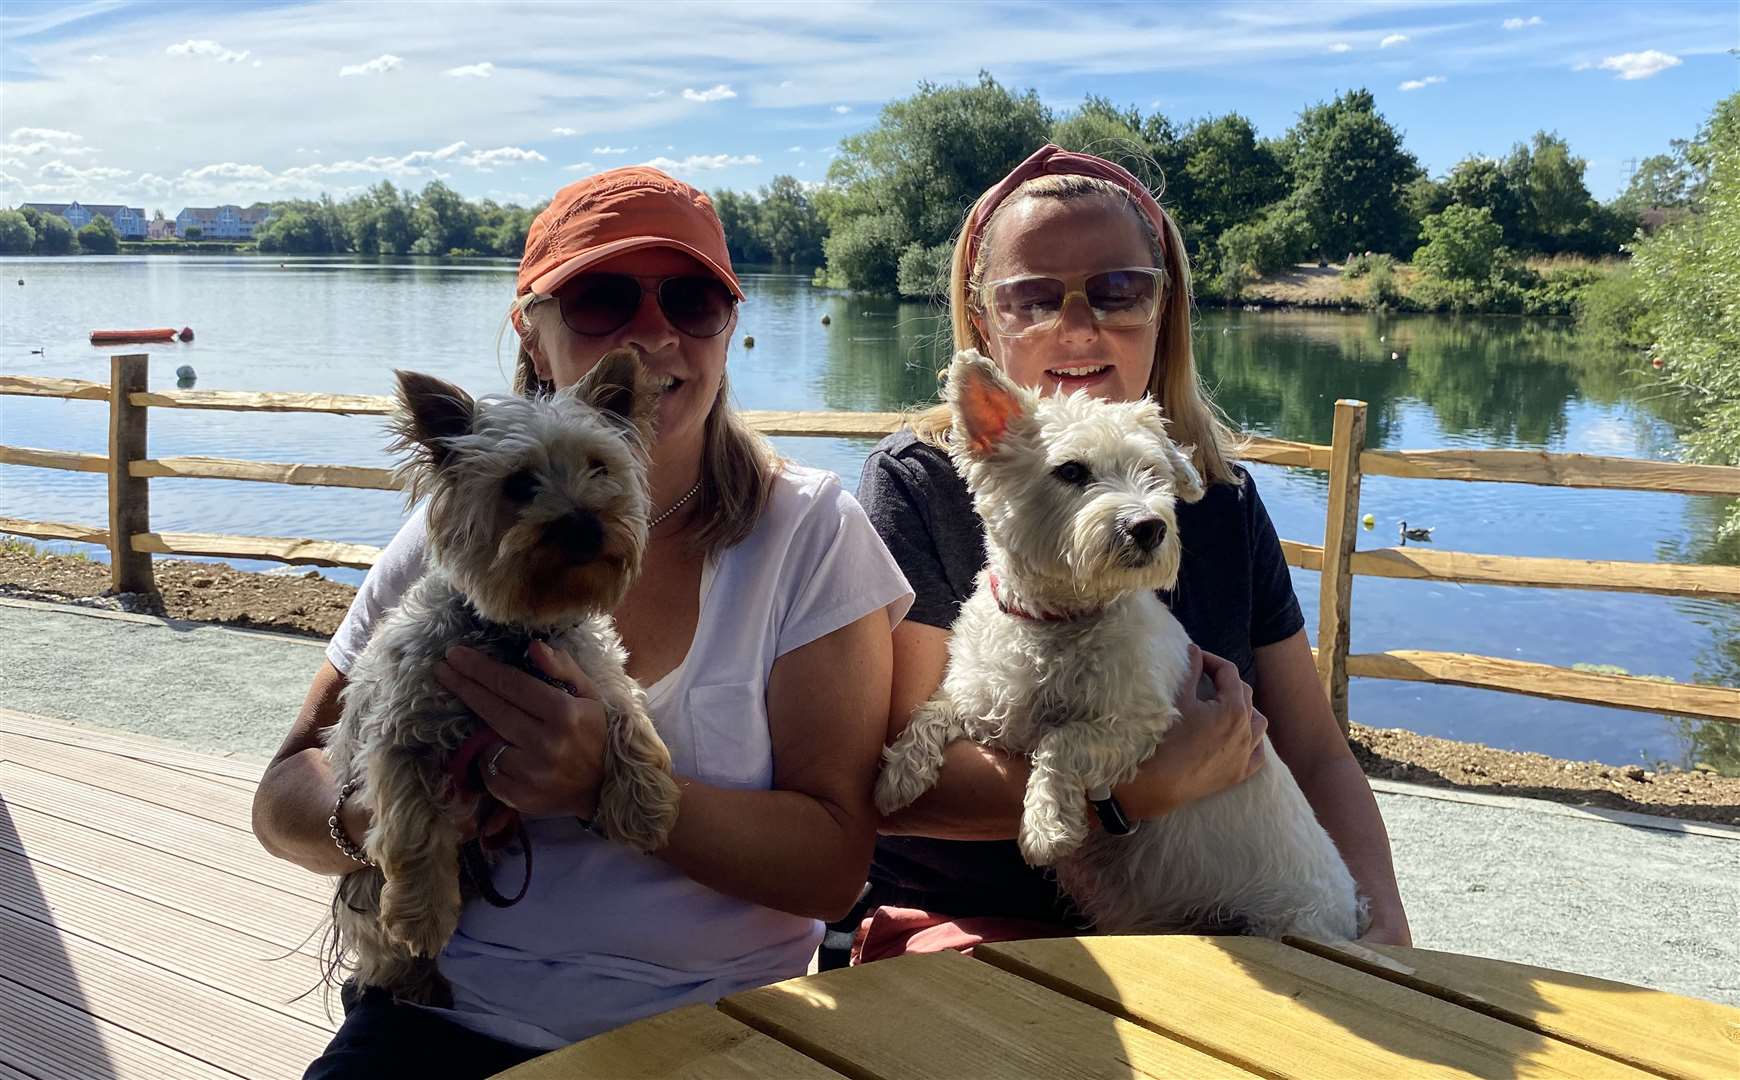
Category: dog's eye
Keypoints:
(1073, 473)
(521, 486)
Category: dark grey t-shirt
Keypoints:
(1233, 596)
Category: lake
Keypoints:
(341, 325)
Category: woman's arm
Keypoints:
(802, 847)
(296, 793)
(1307, 738)
(979, 792)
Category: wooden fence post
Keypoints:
(129, 495)
(1340, 534)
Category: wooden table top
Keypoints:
(1112, 1008)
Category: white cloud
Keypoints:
(95, 58)
(794, 149)
(563, 131)
(1341, 47)
(1519, 23)
(471, 71)
(1421, 84)
(703, 162)
(40, 147)
(655, 93)
(206, 47)
(380, 65)
(717, 93)
(842, 109)
(228, 170)
(610, 149)
(60, 170)
(580, 166)
(1393, 39)
(501, 155)
(45, 135)
(1640, 65)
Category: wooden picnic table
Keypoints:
(1113, 1008)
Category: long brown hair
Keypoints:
(737, 464)
(1174, 383)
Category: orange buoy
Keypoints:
(120, 337)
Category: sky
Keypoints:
(164, 105)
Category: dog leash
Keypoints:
(462, 767)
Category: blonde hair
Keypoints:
(737, 465)
(1174, 383)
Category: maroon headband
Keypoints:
(1054, 160)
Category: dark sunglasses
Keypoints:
(600, 304)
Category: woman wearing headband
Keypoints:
(759, 626)
(947, 872)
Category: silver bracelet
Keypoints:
(335, 828)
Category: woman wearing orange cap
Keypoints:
(760, 628)
(948, 874)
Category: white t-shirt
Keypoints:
(606, 935)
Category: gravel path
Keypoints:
(1508, 878)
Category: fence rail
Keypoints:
(131, 542)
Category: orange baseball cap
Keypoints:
(621, 210)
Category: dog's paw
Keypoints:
(638, 807)
(1047, 843)
(907, 773)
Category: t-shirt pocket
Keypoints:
(729, 725)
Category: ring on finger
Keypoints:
(493, 767)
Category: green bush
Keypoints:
(864, 252)
(99, 237)
(1361, 265)
(1381, 288)
(924, 271)
(16, 235)
(1461, 243)
(1611, 309)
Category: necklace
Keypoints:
(673, 508)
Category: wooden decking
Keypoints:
(143, 931)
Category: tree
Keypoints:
(1662, 181)
(194, 232)
(1689, 276)
(53, 235)
(787, 225)
(1558, 202)
(737, 214)
(1227, 175)
(1462, 243)
(380, 222)
(16, 235)
(444, 221)
(1350, 173)
(915, 174)
(99, 237)
(1484, 184)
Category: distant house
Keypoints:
(129, 221)
(227, 222)
(160, 228)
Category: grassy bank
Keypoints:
(1542, 286)
(188, 247)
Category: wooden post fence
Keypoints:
(129, 495)
(1340, 533)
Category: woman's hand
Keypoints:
(551, 762)
(1216, 744)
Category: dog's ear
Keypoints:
(622, 387)
(985, 402)
(1186, 481)
(429, 413)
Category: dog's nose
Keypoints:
(1147, 532)
(580, 533)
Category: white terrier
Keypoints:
(1065, 654)
(537, 523)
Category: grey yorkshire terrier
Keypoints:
(1065, 654)
(537, 522)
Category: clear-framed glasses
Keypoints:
(1116, 299)
(599, 304)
